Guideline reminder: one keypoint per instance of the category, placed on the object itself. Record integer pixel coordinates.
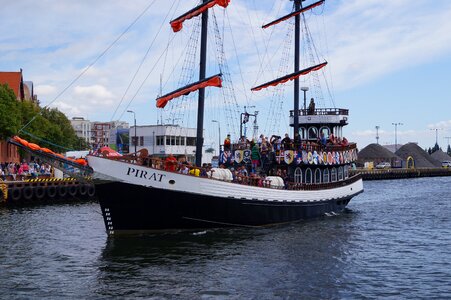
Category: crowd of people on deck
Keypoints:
(20, 171)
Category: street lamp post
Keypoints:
(134, 117)
(396, 134)
(305, 89)
(377, 134)
(219, 137)
(436, 136)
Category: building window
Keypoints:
(325, 131)
(298, 175)
(134, 140)
(326, 176)
(177, 140)
(340, 173)
(333, 175)
(182, 141)
(160, 140)
(308, 176)
(141, 141)
(190, 141)
(173, 140)
(168, 140)
(312, 133)
(303, 133)
(317, 176)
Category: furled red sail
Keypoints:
(177, 24)
(289, 77)
(215, 81)
(311, 6)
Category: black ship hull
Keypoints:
(129, 208)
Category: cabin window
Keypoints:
(326, 176)
(340, 173)
(190, 141)
(325, 131)
(317, 176)
(333, 175)
(312, 133)
(298, 175)
(303, 133)
(308, 176)
(346, 170)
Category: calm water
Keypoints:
(394, 243)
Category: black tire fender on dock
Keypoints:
(91, 190)
(83, 189)
(39, 192)
(72, 190)
(16, 193)
(51, 191)
(27, 192)
(62, 191)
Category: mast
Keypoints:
(297, 47)
(201, 104)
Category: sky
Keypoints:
(388, 62)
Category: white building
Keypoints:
(82, 128)
(163, 140)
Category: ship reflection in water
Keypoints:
(392, 244)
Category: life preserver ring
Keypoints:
(91, 190)
(51, 191)
(62, 191)
(83, 189)
(16, 194)
(72, 190)
(27, 193)
(39, 192)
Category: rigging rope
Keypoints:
(143, 60)
(91, 64)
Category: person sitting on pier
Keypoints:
(311, 107)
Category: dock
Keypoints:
(45, 190)
(395, 173)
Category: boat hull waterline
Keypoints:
(139, 199)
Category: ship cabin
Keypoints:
(326, 155)
(325, 120)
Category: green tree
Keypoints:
(49, 127)
(9, 113)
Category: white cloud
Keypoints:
(45, 90)
(95, 94)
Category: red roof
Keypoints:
(13, 80)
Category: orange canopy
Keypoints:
(215, 81)
(177, 24)
(289, 77)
